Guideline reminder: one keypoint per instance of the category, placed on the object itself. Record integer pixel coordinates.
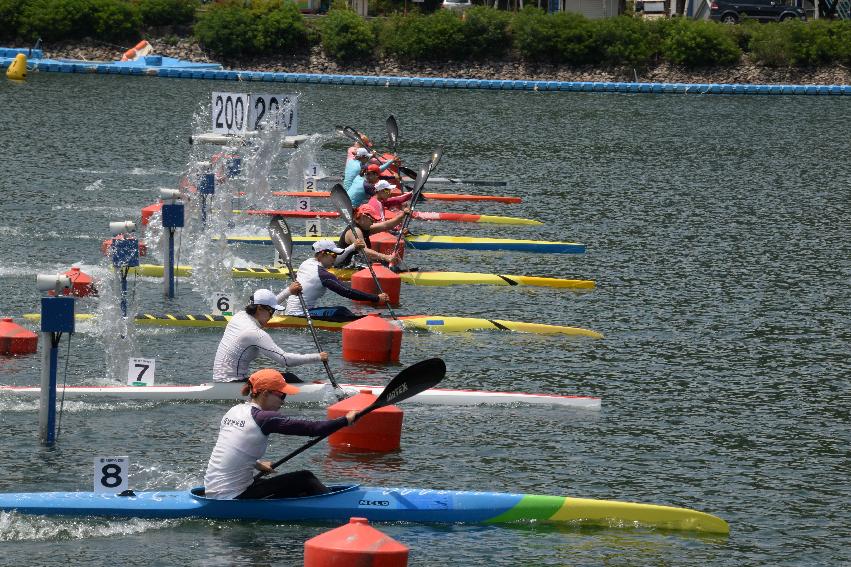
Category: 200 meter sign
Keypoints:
(235, 114)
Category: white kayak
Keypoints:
(312, 392)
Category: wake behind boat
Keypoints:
(308, 393)
(377, 504)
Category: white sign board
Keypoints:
(312, 170)
(302, 204)
(281, 110)
(235, 114)
(222, 303)
(310, 184)
(230, 113)
(111, 474)
(313, 227)
(140, 371)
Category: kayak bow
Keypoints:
(420, 215)
(432, 196)
(377, 504)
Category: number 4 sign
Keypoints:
(140, 372)
(111, 474)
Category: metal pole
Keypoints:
(47, 405)
(168, 275)
(123, 292)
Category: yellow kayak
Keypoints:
(433, 323)
(412, 278)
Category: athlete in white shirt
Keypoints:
(244, 437)
(244, 339)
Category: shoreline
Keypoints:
(315, 62)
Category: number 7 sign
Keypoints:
(140, 371)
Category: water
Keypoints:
(717, 233)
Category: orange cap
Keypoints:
(272, 380)
(365, 209)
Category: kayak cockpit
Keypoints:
(198, 493)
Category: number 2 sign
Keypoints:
(140, 371)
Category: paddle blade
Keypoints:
(422, 176)
(282, 239)
(392, 133)
(408, 172)
(411, 381)
(435, 158)
(343, 203)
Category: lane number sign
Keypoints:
(310, 184)
(313, 227)
(312, 170)
(111, 474)
(140, 371)
(222, 303)
(302, 204)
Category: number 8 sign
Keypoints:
(111, 474)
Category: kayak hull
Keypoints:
(376, 504)
(432, 323)
(432, 242)
(308, 393)
(420, 215)
(432, 196)
(435, 278)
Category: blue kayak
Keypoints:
(377, 504)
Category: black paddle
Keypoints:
(422, 176)
(344, 205)
(392, 133)
(408, 383)
(283, 241)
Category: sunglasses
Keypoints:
(279, 395)
(333, 254)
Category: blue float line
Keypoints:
(36, 63)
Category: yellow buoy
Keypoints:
(18, 69)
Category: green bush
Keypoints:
(486, 32)
(700, 43)
(346, 36)
(115, 20)
(564, 37)
(623, 41)
(436, 37)
(158, 13)
(843, 41)
(795, 43)
(280, 28)
(227, 30)
(9, 14)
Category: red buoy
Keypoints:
(390, 282)
(352, 545)
(380, 430)
(147, 212)
(384, 242)
(15, 339)
(371, 339)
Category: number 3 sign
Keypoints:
(111, 474)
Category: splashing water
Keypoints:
(22, 527)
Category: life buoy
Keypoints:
(139, 50)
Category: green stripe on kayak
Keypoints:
(531, 507)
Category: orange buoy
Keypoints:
(82, 284)
(380, 430)
(390, 282)
(356, 543)
(147, 212)
(371, 339)
(15, 339)
(384, 242)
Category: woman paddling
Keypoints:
(244, 437)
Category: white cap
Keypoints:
(266, 297)
(362, 152)
(381, 185)
(326, 245)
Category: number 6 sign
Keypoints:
(111, 474)
(140, 371)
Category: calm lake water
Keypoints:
(718, 234)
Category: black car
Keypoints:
(731, 11)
